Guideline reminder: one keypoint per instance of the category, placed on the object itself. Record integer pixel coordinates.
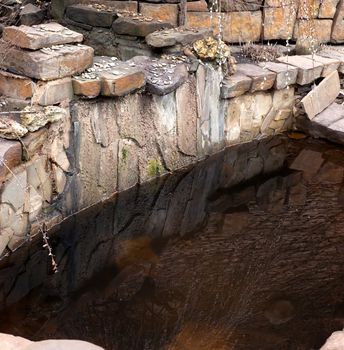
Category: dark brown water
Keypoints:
(243, 251)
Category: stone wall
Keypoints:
(242, 21)
(76, 128)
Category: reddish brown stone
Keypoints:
(46, 64)
(86, 87)
(119, 82)
(43, 35)
(197, 6)
(163, 12)
(15, 86)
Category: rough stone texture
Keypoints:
(242, 26)
(308, 70)
(58, 7)
(278, 23)
(163, 12)
(86, 87)
(16, 86)
(40, 36)
(186, 106)
(244, 116)
(197, 6)
(202, 20)
(337, 35)
(119, 83)
(31, 14)
(333, 53)
(53, 92)
(328, 8)
(181, 36)
(162, 76)
(262, 79)
(322, 95)
(91, 16)
(210, 127)
(330, 64)
(320, 29)
(11, 155)
(282, 108)
(285, 74)
(235, 85)
(128, 164)
(238, 6)
(129, 26)
(48, 65)
(308, 9)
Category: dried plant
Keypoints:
(261, 53)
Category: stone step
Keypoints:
(330, 64)
(286, 74)
(262, 79)
(321, 96)
(100, 14)
(162, 76)
(175, 36)
(47, 63)
(16, 86)
(91, 15)
(109, 77)
(235, 85)
(39, 36)
(43, 93)
(308, 70)
(138, 25)
(334, 53)
(329, 124)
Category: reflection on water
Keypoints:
(243, 251)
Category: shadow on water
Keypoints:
(242, 251)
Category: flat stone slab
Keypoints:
(235, 85)
(322, 95)
(162, 76)
(330, 64)
(47, 63)
(16, 86)
(308, 70)
(109, 77)
(285, 73)
(91, 15)
(334, 53)
(179, 35)
(329, 124)
(138, 25)
(121, 81)
(39, 36)
(262, 79)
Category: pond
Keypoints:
(242, 251)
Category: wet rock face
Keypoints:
(230, 246)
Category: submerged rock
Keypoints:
(35, 118)
(11, 130)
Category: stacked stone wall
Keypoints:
(241, 21)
